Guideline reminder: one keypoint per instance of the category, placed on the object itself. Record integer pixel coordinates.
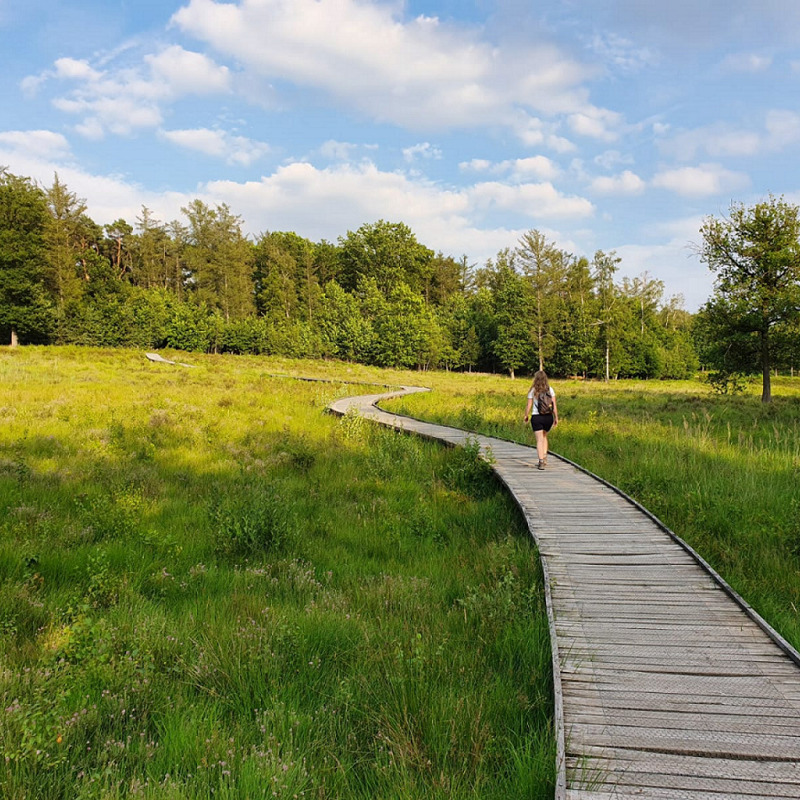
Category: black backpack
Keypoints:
(544, 402)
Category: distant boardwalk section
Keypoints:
(666, 687)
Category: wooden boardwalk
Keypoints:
(665, 686)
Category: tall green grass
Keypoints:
(722, 472)
(209, 588)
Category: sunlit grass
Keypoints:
(722, 472)
(211, 588)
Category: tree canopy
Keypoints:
(755, 256)
(377, 296)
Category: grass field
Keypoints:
(209, 588)
(723, 472)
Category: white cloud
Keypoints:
(781, 129)
(219, 144)
(422, 150)
(74, 69)
(626, 182)
(126, 99)
(519, 169)
(700, 181)
(109, 197)
(534, 166)
(183, 72)
(419, 73)
(35, 144)
(475, 165)
(612, 158)
(596, 123)
(535, 200)
(337, 151)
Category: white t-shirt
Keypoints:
(535, 407)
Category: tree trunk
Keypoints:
(608, 376)
(511, 373)
(14, 339)
(766, 390)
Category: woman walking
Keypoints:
(542, 402)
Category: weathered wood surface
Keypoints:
(666, 687)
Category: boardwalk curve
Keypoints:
(666, 684)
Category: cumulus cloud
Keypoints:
(534, 166)
(475, 165)
(518, 169)
(218, 144)
(421, 150)
(626, 182)
(700, 181)
(419, 73)
(35, 144)
(596, 123)
(122, 100)
(534, 200)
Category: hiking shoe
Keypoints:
(541, 464)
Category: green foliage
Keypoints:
(210, 587)
(727, 382)
(379, 297)
(387, 253)
(252, 520)
(755, 255)
(24, 306)
(469, 472)
(220, 260)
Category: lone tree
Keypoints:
(755, 255)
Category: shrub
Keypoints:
(251, 520)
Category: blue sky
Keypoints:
(605, 124)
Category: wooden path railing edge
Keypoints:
(558, 697)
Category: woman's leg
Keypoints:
(541, 444)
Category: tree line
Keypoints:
(376, 296)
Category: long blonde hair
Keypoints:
(540, 384)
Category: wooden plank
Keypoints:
(686, 720)
(603, 702)
(655, 701)
(627, 760)
(703, 743)
(649, 793)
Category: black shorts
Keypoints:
(541, 422)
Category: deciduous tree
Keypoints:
(754, 254)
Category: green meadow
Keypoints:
(210, 588)
(723, 472)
